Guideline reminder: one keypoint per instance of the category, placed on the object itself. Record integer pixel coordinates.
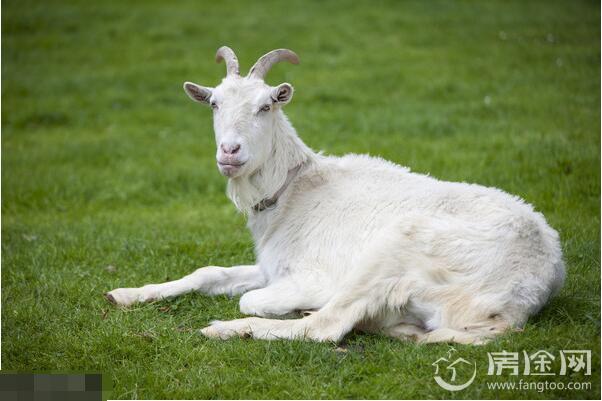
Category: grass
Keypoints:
(106, 162)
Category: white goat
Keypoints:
(362, 242)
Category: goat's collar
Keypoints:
(269, 202)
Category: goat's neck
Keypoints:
(288, 151)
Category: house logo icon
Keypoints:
(454, 374)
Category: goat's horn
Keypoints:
(265, 62)
(225, 53)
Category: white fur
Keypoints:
(367, 244)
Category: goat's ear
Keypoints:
(282, 94)
(197, 93)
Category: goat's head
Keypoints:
(245, 110)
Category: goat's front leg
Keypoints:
(318, 326)
(210, 280)
(371, 287)
(362, 297)
(282, 298)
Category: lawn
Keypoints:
(106, 162)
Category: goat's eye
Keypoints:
(265, 107)
(214, 105)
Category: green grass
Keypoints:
(106, 162)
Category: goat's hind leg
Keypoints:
(210, 280)
(475, 327)
(484, 327)
(404, 331)
(474, 336)
(467, 335)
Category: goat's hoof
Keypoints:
(110, 298)
(225, 330)
(214, 332)
(123, 296)
(209, 331)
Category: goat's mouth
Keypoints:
(229, 169)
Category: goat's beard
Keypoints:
(246, 191)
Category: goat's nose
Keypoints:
(230, 148)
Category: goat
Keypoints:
(356, 241)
